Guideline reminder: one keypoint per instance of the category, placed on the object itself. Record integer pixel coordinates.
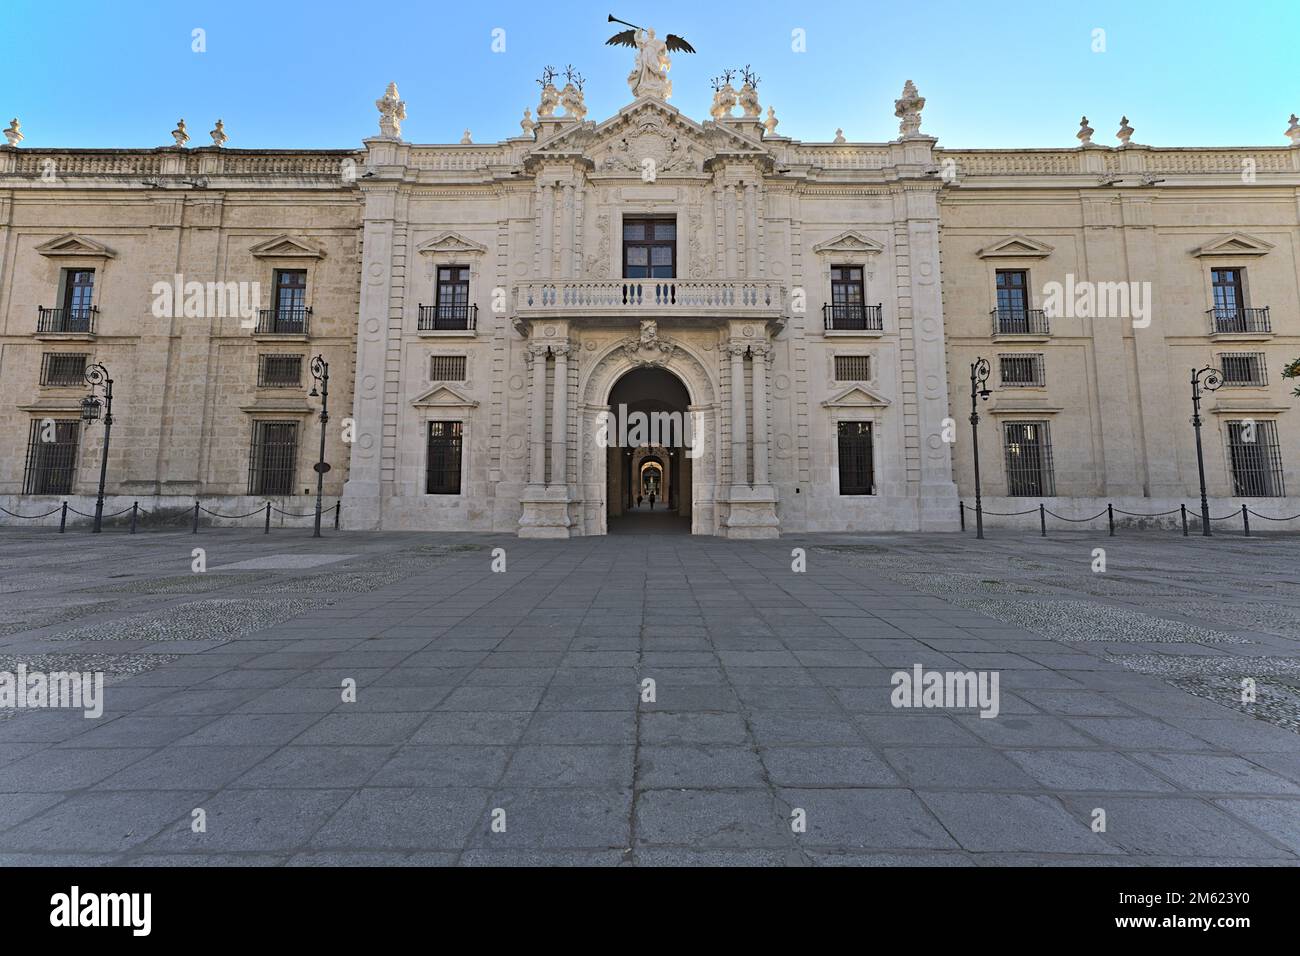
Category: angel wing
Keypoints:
(626, 38)
(677, 45)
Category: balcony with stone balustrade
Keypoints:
(658, 299)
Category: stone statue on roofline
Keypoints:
(392, 111)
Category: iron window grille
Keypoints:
(1028, 447)
(1256, 465)
(279, 371)
(853, 368)
(1022, 370)
(444, 458)
(51, 464)
(649, 248)
(856, 475)
(63, 369)
(447, 368)
(272, 462)
(1243, 369)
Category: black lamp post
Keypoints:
(1209, 378)
(979, 378)
(320, 372)
(97, 378)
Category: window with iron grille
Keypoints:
(1022, 370)
(51, 457)
(1028, 447)
(853, 368)
(447, 368)
(1243, 369)
(649, 248)
(279, 371)
(273, 460)
(1256, 459)
(855, 458)
(63, 369)
(444, 458)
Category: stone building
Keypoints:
(802, 317)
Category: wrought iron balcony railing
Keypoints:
(446, 317)
(1020, 322)
(853, 317)
(81, 319)
(283, 321)
(1239, 320)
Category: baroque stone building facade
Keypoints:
(810, 311)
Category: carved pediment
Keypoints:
(1016, 247)
(857, 396)
(286, 247)
(849, 243)
(72, 244)
(452, 243)
(444, 396)
(1234, 244)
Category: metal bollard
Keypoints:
(267, 529)
(961, 507)
(135, 511)
(1183, 508)
(338, 509)
(1110, 518)
(1245, 520)
(1042, 519)
(63, 518)
(196, 519)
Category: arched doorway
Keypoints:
(648, 470)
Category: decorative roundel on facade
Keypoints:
(925, 268)
(376, 272)
(515, 445)
(935, 442)
(369, 382)
(930, 326)
(516, 383)
(781, 382)
(777, 268)
(549, 331)
(932, 383)
(372, 326)
(784, 441)
(748, 331)
(366, 441)
(590, 346)
(521, 268)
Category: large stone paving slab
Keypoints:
(652, 700)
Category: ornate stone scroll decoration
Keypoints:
(649, 348)
(770, 124)
(650, 140)
(392, 110)
(724, 95)
(598, 263)
(218, 134)
(180, 134)
(1125, 131)
(908, 110)
(1085, 132)
(1292, 131)
(550, 95)
(14, 135)
(536, 350)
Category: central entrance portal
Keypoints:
(648, 479)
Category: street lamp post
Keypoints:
(320, 372)
(979, 377)
(1209, 378)
(96, 377)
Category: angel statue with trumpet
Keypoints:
(650, 75)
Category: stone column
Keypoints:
(762, 354)
(751, 232)
(739, 452)
(560, 416)
(566, 231)
(546, 230)
(536, 356)
(729, 227)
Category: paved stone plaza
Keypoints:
(522, 692)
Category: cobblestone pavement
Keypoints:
(504, 718)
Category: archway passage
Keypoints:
(648, 473)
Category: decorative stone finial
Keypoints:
(724, 96)
(180, 134)
(908, 110)
(572, 101)
(1292, 131)
(392, 110)
(465, 140)
(839, 136)
(14, 134)
(1085, 132)
(1125, 131)
(527, 124)
(748, 95)
(771, 122)
(218, 134)
(550, 95)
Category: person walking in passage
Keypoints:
(652, 501)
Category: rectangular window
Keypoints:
(290, 306)
(1228, 298)
(848, 298)
(1022, 370)
(853, 368)
(1013, 292)
(279, 371)
(447, 368)
(273, 459)
(63, 369)
(649, 248)
(444, 458)
(1028, 448)
(51, 457)
(453, 292)
(1256, 459)
(78, 300)
(1241, 369)
(855, 458)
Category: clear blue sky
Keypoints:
(297, 74)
